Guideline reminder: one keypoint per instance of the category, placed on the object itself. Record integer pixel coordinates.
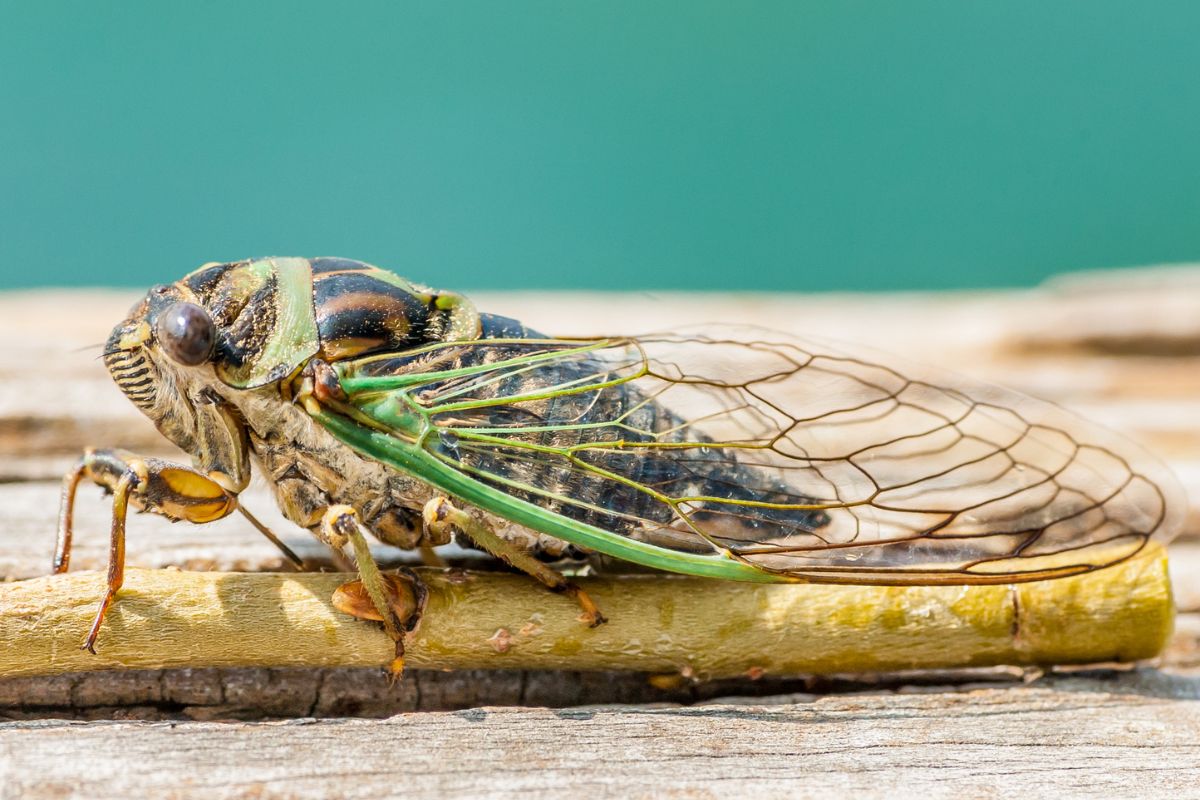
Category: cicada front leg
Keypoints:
(440, 515)
(396, 599)
(150, 484)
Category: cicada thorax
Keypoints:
(274, 314)
(361, 310)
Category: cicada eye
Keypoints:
(186, 333)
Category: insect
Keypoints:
(377, 407)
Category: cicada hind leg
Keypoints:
(440, 515)
(394, 599)
(172, 490)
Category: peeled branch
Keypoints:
(657, 623)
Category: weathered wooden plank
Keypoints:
(257, 693)
(1123, 348)
(1132, 734)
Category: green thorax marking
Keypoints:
(292, 336)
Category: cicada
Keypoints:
(377, 407)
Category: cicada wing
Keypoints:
(810, 459)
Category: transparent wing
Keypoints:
(816, 460)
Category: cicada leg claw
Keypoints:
(439, 513)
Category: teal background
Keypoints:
(796, 145)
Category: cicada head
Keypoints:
(186, 349)
(240, 325)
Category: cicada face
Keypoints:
(161, 357)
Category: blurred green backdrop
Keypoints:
(793, 145)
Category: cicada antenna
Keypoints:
(288, 553)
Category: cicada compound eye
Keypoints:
(186, 333)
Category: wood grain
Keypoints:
(1066, 737)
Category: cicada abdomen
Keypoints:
(801, 459)
(561, 426)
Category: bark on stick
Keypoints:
(661, 624)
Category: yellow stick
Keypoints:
(657, 624)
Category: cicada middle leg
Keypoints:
(440, 513)
(396, 599)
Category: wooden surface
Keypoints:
(1129, 735)
(1123, 349)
